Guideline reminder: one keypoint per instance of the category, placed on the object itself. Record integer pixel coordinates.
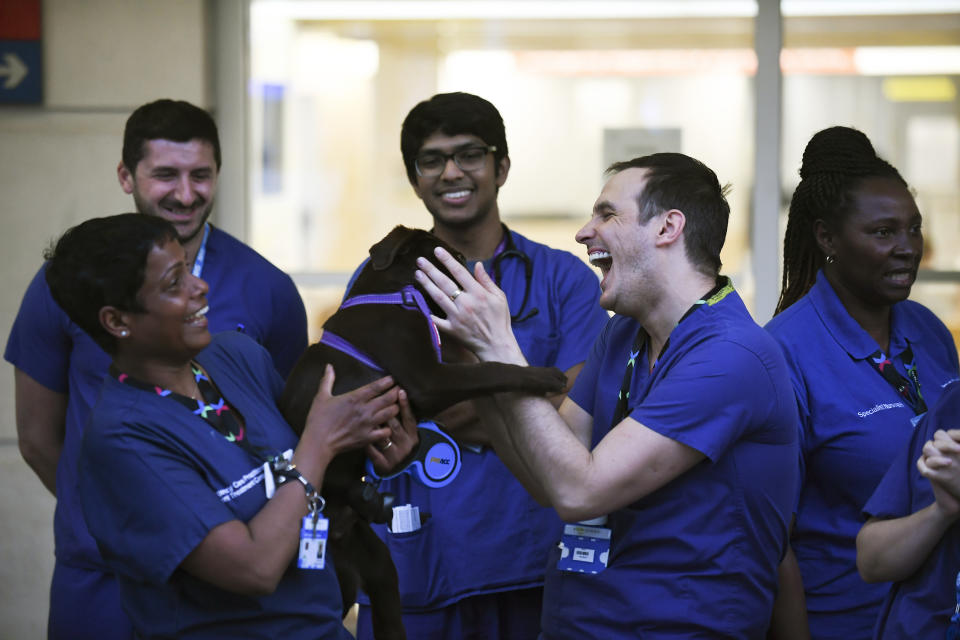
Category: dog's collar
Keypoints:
(409, 298)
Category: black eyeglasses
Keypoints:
(432, 164)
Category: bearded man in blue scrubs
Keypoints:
(678, 440)
(475, 569)
(170, 165)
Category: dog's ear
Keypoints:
(459, 256)
(433, 242)
(383, 253)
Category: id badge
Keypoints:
(584, 549)
(313, 542)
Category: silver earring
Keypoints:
(124, 333)
(831, 259)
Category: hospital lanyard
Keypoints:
(202, 252)
(213, 409)
(715, 295)
(909, 389)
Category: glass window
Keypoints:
(579, 84)
(895, 78)
(334, 83)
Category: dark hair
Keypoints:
(167, 120)
(101, 262)
(451, 114)
(835, 162)
(677, 181)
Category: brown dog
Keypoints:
(384, 322)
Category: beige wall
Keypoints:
(102, 58)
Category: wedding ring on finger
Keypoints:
(456, 294)
(386, 446)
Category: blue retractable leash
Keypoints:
(437, 461)
(953, 631)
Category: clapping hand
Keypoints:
(940, 464)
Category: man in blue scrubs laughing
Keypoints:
(678, 440)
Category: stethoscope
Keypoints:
(508, 249)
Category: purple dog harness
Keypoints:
(436, 462)
(408, 298)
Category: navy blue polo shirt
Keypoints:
(921, 605)
(853, 425)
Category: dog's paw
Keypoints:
(560, 379)
(548, 379)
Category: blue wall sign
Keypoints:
(21, 72)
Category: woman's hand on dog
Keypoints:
(338, 423)
(477, 311)
(386, 455)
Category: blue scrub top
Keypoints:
(245, 290)
(921, 605)
(486, 534)
(699, 556)
(853, 424)
(156, 479)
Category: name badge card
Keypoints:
(313, 542)
(584, 549)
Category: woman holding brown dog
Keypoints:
(197, 492)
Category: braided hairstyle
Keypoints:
(835, 162)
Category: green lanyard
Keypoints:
(712, 297)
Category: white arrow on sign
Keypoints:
(15, 70)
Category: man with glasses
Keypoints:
(475, 568)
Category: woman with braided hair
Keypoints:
(866, 362)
